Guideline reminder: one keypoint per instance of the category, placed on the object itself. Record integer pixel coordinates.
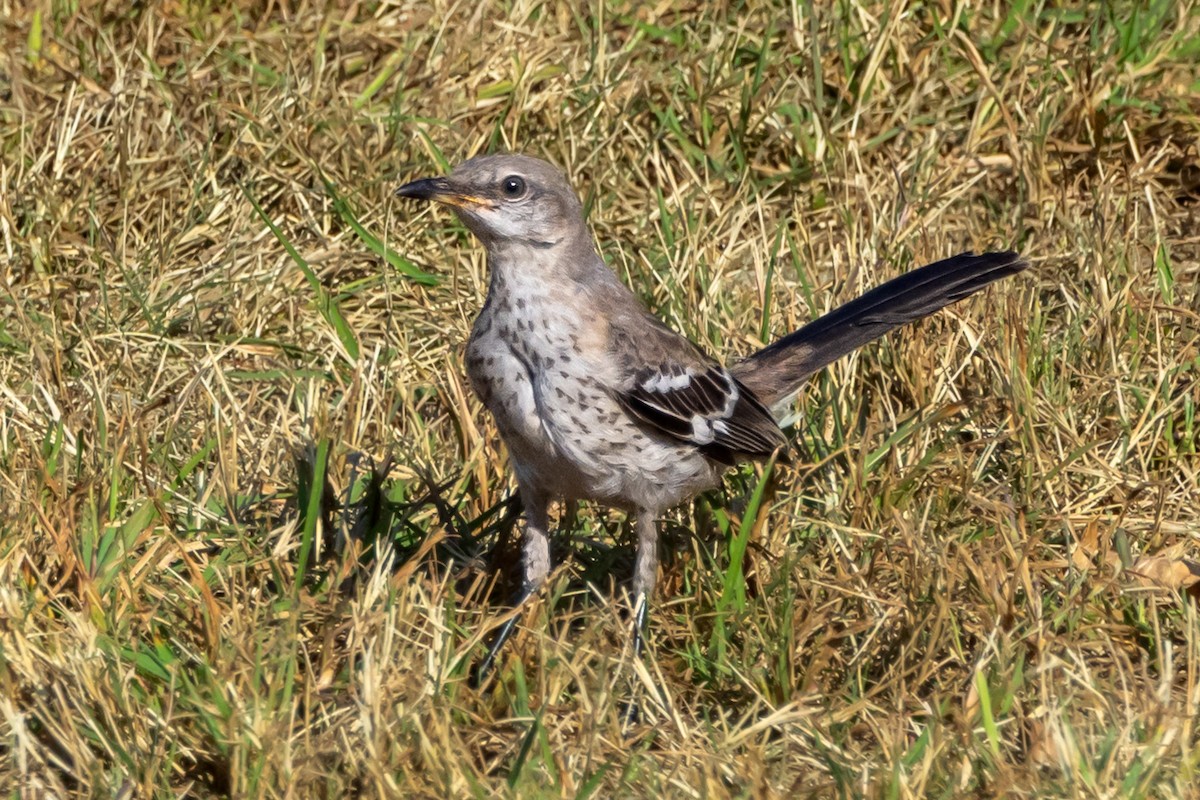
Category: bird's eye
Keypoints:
(512, 186)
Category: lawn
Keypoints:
(255, 528)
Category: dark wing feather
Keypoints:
(704, 406)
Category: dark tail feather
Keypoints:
(778, 370)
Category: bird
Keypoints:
(597, 399)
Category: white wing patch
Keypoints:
(667, 382)
(731, 399)
(702, 430)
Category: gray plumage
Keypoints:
(597, 399)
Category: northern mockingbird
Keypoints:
(595, 398)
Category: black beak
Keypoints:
(425, 189)
(440, 190)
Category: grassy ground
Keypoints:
(975, 582)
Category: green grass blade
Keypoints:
(398, 262)
(326, 305)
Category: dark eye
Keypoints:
(512, 186)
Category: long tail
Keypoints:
(777, 372)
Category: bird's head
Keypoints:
(506, 199)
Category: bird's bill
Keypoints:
(439, 190)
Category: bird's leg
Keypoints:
(569, 517)
(535, 557)
(645, 573)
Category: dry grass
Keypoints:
(943, 599)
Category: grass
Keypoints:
(254, 527)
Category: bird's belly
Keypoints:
(566, 434)
(624, 463)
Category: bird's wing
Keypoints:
(677, 390)
(705, 407)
